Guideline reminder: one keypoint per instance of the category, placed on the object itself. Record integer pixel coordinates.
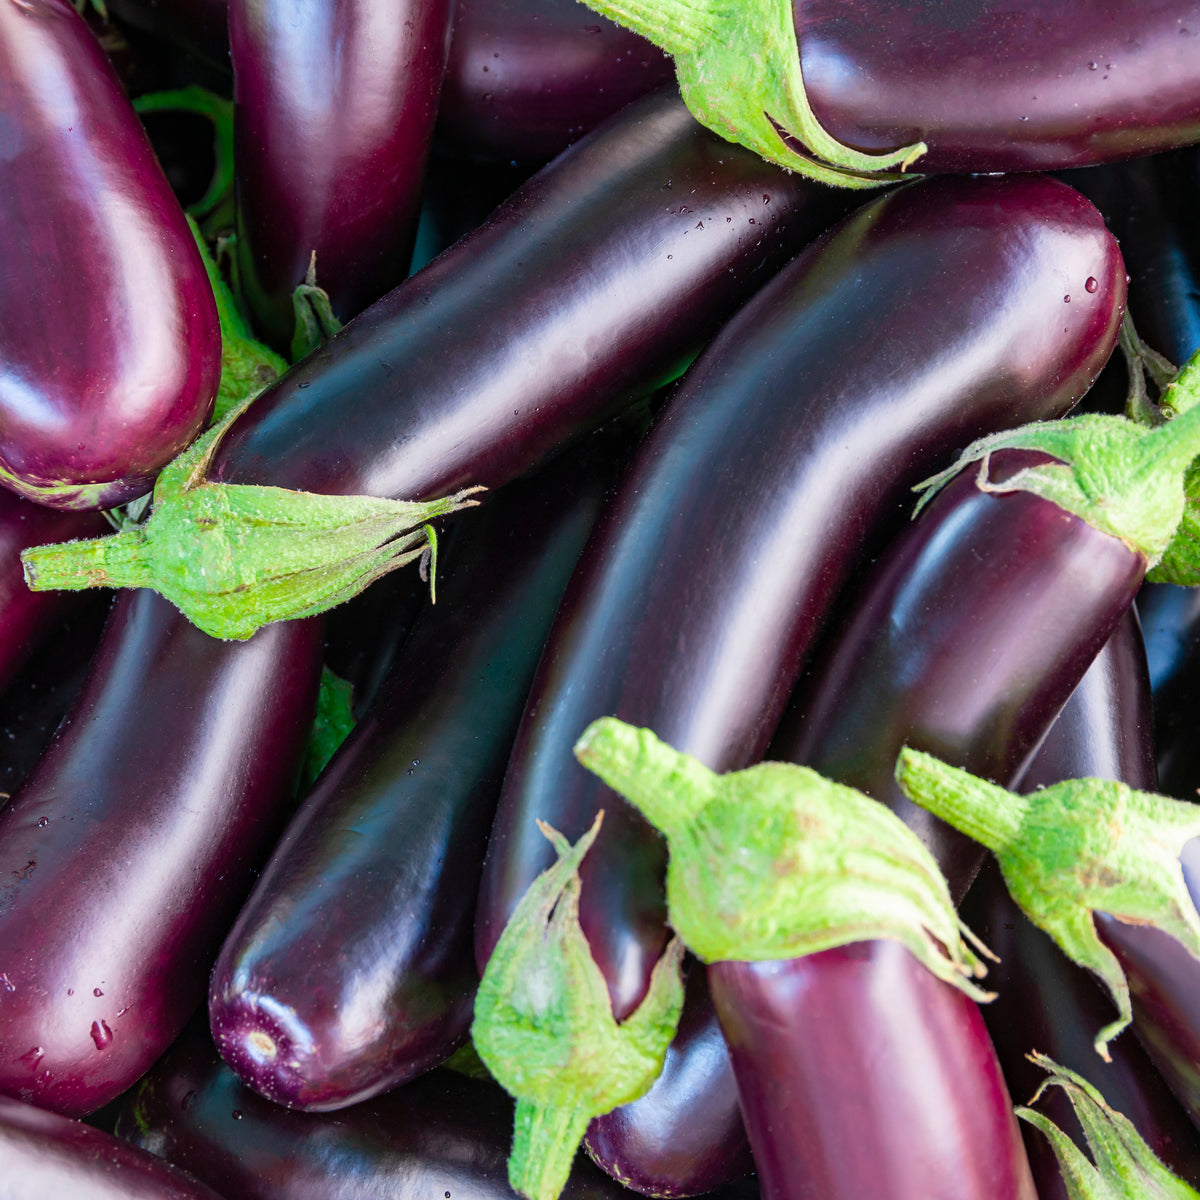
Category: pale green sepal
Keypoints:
(1124, 1167)
(1143, 362)
(1079, 847)
(235, 557)
(738, 66)
(1122, 478)
(545, 1030)
(315, 322)
(331, 726)
(775, 862)
(247, 366)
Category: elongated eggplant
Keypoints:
(855, 92)
(526, 78)
(127, 852)
(350, 969)
(110, 354)
(803, 391)
(335, 106)
(1044, 1001)
(48, 1155)
(441, 1133)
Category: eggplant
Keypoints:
(857, 93)
(111, 351)
(48, 1155)
(442, 1132)
(525, 78)
(350, 969)
(1044, 1001)
(335, 105)
(125, 855)
(782, 458)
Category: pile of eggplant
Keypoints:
(292, 295)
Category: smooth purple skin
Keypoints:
(27, 617)
(1003, 85)
(525, 78)
(110, 349)
(441, 1133)
(588, 288)
(335, 104)
(862, 1074)
(127, 852)
(859, 370)
(351, 968)
(685, 1136)
(1045, 1002)
(46, 1155)
(965, 642)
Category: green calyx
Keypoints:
(1123, 478)
(331, 726)
(775, 862)
(545, 1030)
(1072, 850)
(235, 557)
(1123, 1167)
(738, 65)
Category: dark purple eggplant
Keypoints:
(111, 352)
(797, 390)
(46, 1155)
(526, 78)
(350, 970)
(335, 105)
(441, 1133)
(1045, 1002)
(127, 852)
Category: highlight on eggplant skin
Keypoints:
(109, 345)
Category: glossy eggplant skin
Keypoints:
(832, 1114)
(766, 475)
(351, 969)
(597, 281)
(46, 1155)
(26, 617)
(110, 355)
(127, 852)
(1044, 1001)
(525, 78)
(997, 86)
(961, 643)
(441, 1133)
(335, 105)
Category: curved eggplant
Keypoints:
(804, 388)
(126, 853)
(110, 355)
(350, 970)
(525, 78)
(335, 105)
(441, 1133)
(47, 1155)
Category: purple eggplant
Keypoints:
(126, 853)
(526, 78)
(46, 1155)
(335, 105)
(441, 1133)
(845, 336)
(110, 355)
(350, 970)
(1045, 1002)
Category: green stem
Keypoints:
(989, 814)
(1172, 446)
(545, 1138)
(1182, 394)
(115, 561)
(668, 788)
